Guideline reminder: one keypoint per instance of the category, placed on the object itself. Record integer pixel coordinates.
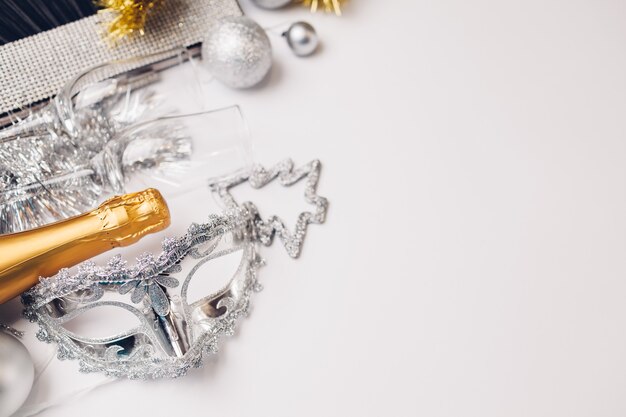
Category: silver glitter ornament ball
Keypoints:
(302, 38)
(237, 52)
(272, 4)
(16, 374)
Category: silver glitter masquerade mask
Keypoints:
(173, 333)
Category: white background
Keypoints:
(472, 263)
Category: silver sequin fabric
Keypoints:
(35, 68)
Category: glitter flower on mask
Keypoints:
(153, 287)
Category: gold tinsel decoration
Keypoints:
(129, 16)
(327, 5)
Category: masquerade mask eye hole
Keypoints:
(212, 275)
(101, 321)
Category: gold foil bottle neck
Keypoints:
(119, 221)
(127, 218)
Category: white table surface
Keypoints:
(473, 262)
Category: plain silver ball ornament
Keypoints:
(237, 52)
(272, 4)
(17, 374)
(302, 38)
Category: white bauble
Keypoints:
(17, 374)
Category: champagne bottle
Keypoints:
(120, 221)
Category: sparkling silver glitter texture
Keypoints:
(35, 68)
(174, 333)
(237, 51)
(49, 172)
(272, 4)
(265, 230)
(302, 38)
